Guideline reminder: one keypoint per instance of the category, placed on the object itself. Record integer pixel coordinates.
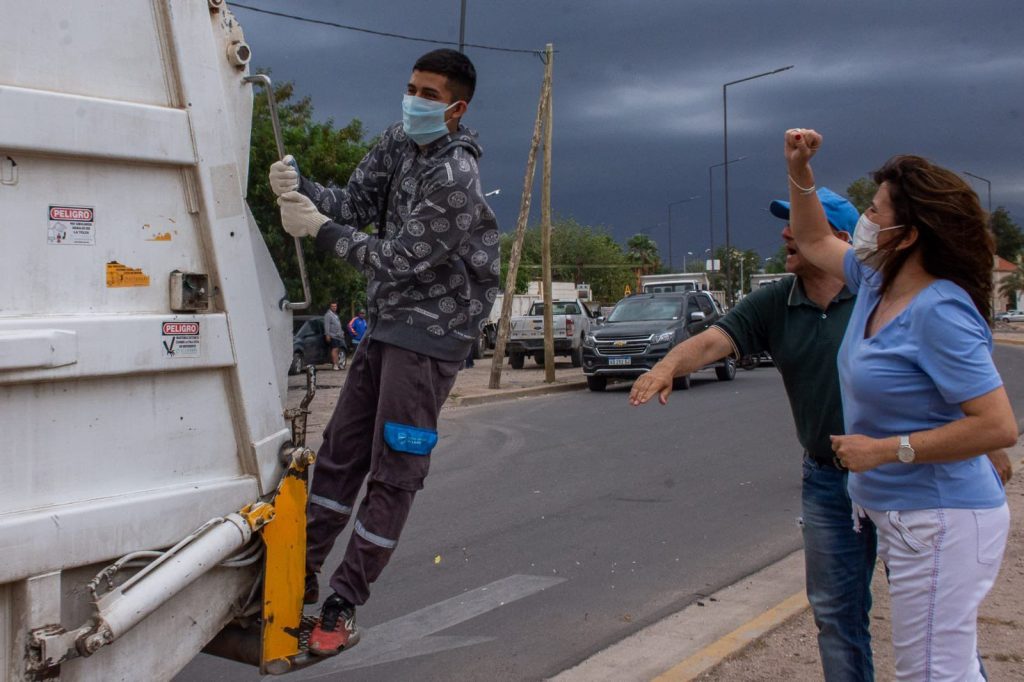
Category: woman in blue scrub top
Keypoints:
(922, 399)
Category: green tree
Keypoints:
(329, 155)
(861, 192)
(777, 261)
(1009, 238)
(643, 252)
(742, 264)
(579, 253)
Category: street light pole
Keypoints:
(725, 160)
(711, 203)
(681, 201)
(462, 28)
(978, 177)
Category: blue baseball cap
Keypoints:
(840, 212)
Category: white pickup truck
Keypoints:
(571, 321)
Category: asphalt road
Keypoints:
(555, 526)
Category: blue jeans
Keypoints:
(839, 564)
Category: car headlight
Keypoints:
(664, 337)
(589, 341)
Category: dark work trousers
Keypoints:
(385, 383)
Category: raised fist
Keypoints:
(801, 145)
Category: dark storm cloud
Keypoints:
(638, 95)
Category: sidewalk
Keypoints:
(790, 652)
(471, 386)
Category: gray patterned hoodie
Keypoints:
(432, 267)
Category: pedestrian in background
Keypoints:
(333, 334)
(357, 326)
(922, 399)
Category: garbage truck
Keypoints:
(153, 495)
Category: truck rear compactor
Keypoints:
(152, 502)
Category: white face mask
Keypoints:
(423, 119)
(865, 237)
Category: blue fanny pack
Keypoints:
(409, 439)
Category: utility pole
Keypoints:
(462, 28)
(545, 224)
(517, 244)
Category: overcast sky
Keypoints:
(638, 96)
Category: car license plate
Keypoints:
(620, 361)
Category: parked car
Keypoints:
(309, 347)
(641, 330)
(1011, 316)
(571, 321)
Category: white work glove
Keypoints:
(283, 177)
(299, 215)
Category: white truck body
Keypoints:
(678, 282)
(127, 423)
(559, 290)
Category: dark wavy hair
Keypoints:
(952, 229)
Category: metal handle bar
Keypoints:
(264, 80)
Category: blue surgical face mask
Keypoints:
(423, 120)
(865, 237)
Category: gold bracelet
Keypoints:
(803, 190)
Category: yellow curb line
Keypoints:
(1010, 342)
(735, 641)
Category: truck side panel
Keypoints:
(124, 134)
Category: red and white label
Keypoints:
(70, 213)
(180, 328)
(181, 339)
(75, 225)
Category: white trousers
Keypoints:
(942, 563)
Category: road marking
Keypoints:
(409, 635)
(736, 640)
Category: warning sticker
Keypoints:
(123, 276)
(181, 339)
(74, 225)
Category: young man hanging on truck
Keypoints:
(432, 271)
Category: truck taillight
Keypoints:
(569, 326)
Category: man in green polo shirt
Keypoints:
(801, 321)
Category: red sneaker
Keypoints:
(336, 630)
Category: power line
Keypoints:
(539, 53)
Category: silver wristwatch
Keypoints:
(905, 453)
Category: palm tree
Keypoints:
(643, 251)
(1012, 284)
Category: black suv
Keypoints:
(642, 329)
